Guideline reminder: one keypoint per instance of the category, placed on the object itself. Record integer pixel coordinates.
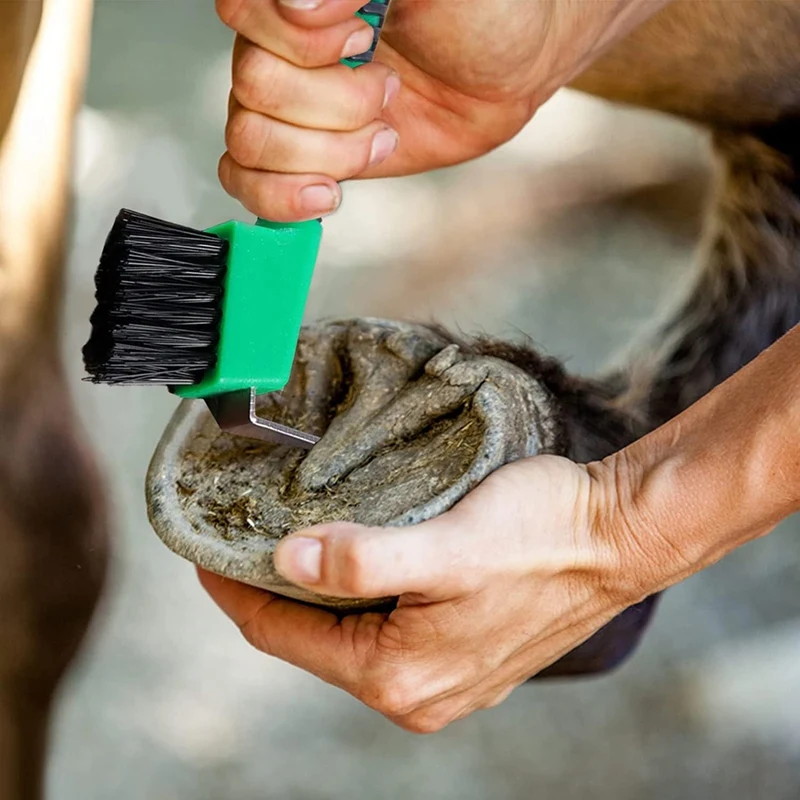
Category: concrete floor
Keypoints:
(578, 232)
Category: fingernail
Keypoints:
(301, 5)
(383, 145)
(301, 559)
(392, 88)
(319, 197)
(358, 42)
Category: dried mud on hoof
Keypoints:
(409, 423)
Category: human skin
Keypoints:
(537, 558)
(575, 543)
(299, 121)
(18, 28)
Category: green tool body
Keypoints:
(270, 267)
(213, 315)
(265, 293)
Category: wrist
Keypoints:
(627, 517)
(722, 473)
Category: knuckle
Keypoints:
(253, 79)
(255, 635)
(310, 49)
(394, 696)
(473, 670)
(304, 53)
(367, 88)
(394, 702)
(424, 722)
(355, 566)
(262, 197)
(245, 138)
(361, 110)
(232, 12)
(224, 172)
(254, 638)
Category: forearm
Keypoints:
(714, 70)
(724, 472)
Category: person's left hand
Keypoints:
(520, 572)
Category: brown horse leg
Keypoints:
(52, 521)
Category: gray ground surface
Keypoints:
(577, 233)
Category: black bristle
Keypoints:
(159, 289)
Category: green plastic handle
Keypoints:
(270, 266)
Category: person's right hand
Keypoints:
(472, 74)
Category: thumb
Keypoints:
(349, 560)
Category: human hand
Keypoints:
(521, 571)
(472, 75)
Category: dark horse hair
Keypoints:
(745, 296)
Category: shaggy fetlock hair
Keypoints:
(746, 295)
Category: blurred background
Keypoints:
(579, 233)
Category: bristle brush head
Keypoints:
(159, 291)
(203, 312)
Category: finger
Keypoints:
(278, 196)
(347, 560)
(310, 638)
(455, 554)
(258, 142)
(318, 13)
(261, 22)
(334, 98)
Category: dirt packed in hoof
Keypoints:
(409, 422)
(244, 489)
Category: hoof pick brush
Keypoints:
(214, 314)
